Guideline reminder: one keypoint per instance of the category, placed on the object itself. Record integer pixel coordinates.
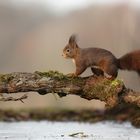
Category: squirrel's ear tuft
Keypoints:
(72, 39)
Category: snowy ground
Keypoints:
(45, 130)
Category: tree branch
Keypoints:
(111, 92)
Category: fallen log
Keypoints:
(112, 93)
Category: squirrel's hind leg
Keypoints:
(111, 72)
(97, 71)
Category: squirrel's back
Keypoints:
(96, 56)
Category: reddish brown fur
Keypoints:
(130, 61)
(100, 60)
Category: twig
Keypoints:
(14, 99)
(81, 134)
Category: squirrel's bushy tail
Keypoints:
(130, 61)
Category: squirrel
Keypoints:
(101, 61)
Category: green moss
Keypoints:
(104, 89)
(6, 77)
(100, 90)
(52, 74)
(116, 82)
(60, 76)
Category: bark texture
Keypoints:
(113, 93)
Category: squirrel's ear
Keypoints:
(72, 39)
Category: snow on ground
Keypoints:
(45, 130)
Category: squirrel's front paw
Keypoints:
(71, 75)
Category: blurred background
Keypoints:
(34, 32)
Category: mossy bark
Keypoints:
(111, 92)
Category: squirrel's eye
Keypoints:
(68, 50)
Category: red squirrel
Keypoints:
(101, 61)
